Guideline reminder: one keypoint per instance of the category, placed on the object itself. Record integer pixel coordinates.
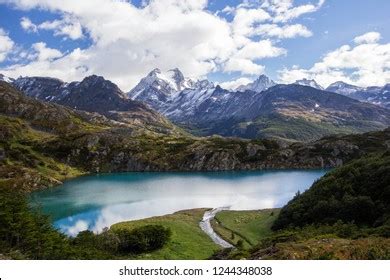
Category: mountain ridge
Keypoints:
(204, 109)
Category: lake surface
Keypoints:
(98, 201)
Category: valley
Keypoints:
(89, 134)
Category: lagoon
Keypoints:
(99, 201)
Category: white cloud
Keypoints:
(284, 10)
(370, 38)
(6, 45)
(261, 49)
(366, 64)
(43, 53)
(232, 85)
(243, 59)
(245, 20)
(283, 32)
(27, 25)
(245, 66)
(67, 26)
(127, 42)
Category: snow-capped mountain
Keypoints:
(209, 109)
(159, 88)
(260, 84)
(6, 79)
(170, 92)
(376, 95)
(189, 99)
(308, 83)
(343, 88)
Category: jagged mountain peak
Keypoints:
(262, 83)
(6, 79)
(309, 82)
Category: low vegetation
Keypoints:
(188, 241)
(27, 234)
(246, 227)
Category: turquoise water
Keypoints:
(96, 202)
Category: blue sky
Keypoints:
(124, 40)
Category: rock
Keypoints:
(252, 149)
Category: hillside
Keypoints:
(357, 192)
(49, 142)
(97, 96)
(344, 215)
(285, 112)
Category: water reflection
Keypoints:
(96, 202)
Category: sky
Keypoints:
(230, 42)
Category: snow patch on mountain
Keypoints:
(6, 79)
(343, 88)
(309, 83)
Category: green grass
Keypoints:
(188, 241)
(250, 226)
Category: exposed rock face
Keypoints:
(99, 97)
(105, 152)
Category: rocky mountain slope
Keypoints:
(262, 109)
(376, 95)
(96, 95)
(43, 143)
(286, 112)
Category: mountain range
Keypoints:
(302, 111)
(375, 95)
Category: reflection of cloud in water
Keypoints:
(79, 226)
(110, 215)
(104, 202)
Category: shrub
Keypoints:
(143, 239)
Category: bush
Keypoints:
(144, 239)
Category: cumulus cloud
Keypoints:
(27, 25)
(232, 85)
(370, 37)
(127, 41)
(6, 45)
(243, 59)
(365, 64)
(244, 66)
(67, 26)
(43, 53)
(284, 10)
(283, 32)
